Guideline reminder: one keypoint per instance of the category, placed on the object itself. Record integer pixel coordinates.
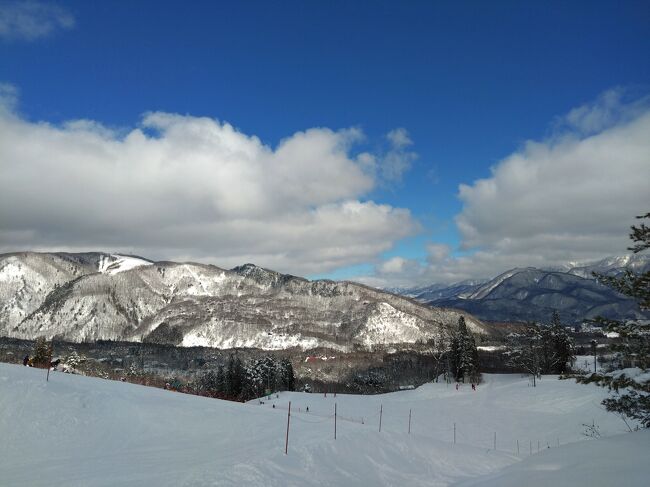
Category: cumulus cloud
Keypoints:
(183, 187)
(30, 20)
(569, 198)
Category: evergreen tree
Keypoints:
(631, 398)
(269, 373)
(208, 384)
(234, 377)
(73, 360)
(287, 375)
(42, 352)
(221, 379)
(454, 355)
(463, 353)
(230, 373)
(562, 345)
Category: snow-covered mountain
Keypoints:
(86, 297)
(530, 294)
(611, 266)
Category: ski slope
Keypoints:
(82, 431)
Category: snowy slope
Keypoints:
(114, 263)
(27, 278)
(619, 460)
(79, 431)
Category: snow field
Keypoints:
(120, 263)
(81, 431)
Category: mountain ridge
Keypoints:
(87, 297)
(532, 294)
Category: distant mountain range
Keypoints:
(93, 296)
(530, 294)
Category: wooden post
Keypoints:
(517, 447)
(454, 433)
(409, 421)
(335, 421)
(286, 443)
(495, 440)
(49, 364)
(381, 410)
(537, 446)
(531, 447)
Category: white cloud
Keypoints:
(612, 107)
(399, 138)
(8, 96)
(398, 159)
(393, 266)
(570, 198)
(438, 252)
(196, 189)
(30, 20)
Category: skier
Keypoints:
(457, 385)
(473, 386)
(307, 408)
(26, 360)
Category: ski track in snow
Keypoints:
(81, 431)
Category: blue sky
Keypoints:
(469, 83)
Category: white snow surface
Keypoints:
(485, 289)
(114, 263)
(491, 348)
(620, 460)
(585, 364)
(81, 431)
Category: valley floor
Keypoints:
(82, 431)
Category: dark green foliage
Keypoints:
(287, 379)
(631, 398)
(256, 378)
(559, 349)
(640, 235)
(234, 377)
(632, 404)
(42, 353)
(464, 354)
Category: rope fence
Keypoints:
(459, 432)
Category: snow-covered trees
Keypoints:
(525, 351)
(631, 395)
(72, 362)
(540, 349)
(463, 353)
(557, 346)
(265, 375)
(287, 377)
(245, 381)
(133, 370)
